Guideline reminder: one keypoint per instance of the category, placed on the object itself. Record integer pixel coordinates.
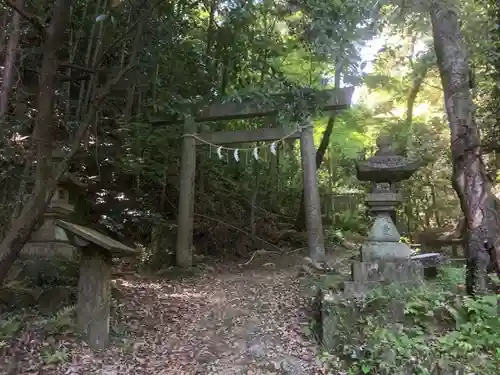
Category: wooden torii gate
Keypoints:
(326, 100)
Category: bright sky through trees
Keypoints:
(368, 54)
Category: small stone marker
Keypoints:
(94, 285)
(430, 262)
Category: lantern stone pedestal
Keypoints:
(384, 242)
(384, 258)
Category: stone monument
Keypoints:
(50, 240)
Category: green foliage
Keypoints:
(348, 221)
(334, 235)
(51, 356)
(440, 329)
(404, 239)
(224, 53)
(220, 52)
(404, 97)
(60, 323)
(9, 326)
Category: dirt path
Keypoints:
(246, 322)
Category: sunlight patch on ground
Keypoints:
(139, 284)
(184, 295)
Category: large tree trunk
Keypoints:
(470, 180)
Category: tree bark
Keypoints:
(469, 178)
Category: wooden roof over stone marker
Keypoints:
(94, 284)
(117, 249)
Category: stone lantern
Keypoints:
(385, 169)
(50, 240)
(384, 260)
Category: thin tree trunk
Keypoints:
(273, 180)
(409, 220)
(88, 55)
(74, 41)
(331, 174)
(127, 115)
(469, 179)
(94, 63)
(8, 66)
(412, 96)
(210, 37)
(3, 33)
(427, 212)
(434, 204)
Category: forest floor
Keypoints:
(230, 320)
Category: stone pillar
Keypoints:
(312, 205)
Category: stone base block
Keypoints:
(340, 315)
(336, 315)
(387, 271)
(387, 251)
(49, 250)
(356, 289)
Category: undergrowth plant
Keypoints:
(441, 329)
(58, 324)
